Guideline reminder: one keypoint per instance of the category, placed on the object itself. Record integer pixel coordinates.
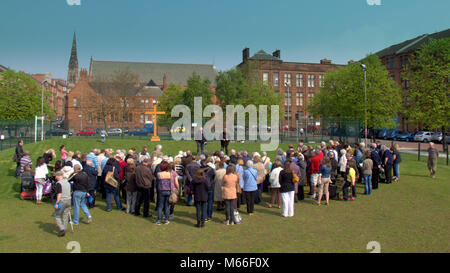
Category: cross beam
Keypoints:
(155, 113)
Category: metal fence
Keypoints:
(11, 131)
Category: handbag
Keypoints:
(110, 180)
(237, 217)
(295, 178)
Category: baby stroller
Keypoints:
(49, 190)
(28, 188)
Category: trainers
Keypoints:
(226, 223)
(167, 222)
(158, 223)
(61, 233)
(89, 219)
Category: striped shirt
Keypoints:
(25, 161)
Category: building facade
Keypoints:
(396, 58)
(299, 82)
(58, 90)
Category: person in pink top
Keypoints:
(63, 153)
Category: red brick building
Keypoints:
(303, 80)
(58, 90)
(396, 58)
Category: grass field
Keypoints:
(410, 216)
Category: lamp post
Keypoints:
(288, 104)
(364, 67)
(42, 109)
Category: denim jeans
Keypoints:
(210, 204)
(110, 190)
(201, 210)
(200, 148)
(368, 184)
(163, 202)
(397, 170)
(79, 200)
(189, 200)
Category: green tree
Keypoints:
(428, 73)
(20, 97)
(234, 88)
(171, 97)
(343, 94)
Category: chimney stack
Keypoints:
(245, 54)
(276, 53)
(164, 82)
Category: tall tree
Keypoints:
(343, 94)
(171, 97)
(428, 74)
(20, 97)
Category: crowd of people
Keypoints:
(138, 178)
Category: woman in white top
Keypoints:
(40, 177)
(275, 185)
(343, 162)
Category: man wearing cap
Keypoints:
(63, 201)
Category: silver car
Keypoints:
(115, 132)
(423, 136)
(437, 137)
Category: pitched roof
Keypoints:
(412, 44)
(176, 73)
(130, 90)
(3, 68)
(262, 55)
(150, 91)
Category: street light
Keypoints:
(288, 104)
(42, 108)
(364, 67)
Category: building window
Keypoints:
(90, 118)
(311, 79)
(405, 61)
(144, 118)
(310, 96)
(145, 103)
(299, 80)
(390, 63)
(75, 102)
(99, 117)
(265, 78)
(275, 79)
(299, 99)
(287, 79)
(321, 80)
(287, 99)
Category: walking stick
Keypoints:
(70, 220)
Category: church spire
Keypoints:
(72, 75)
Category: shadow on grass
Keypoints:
(48, 227)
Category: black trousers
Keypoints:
(250, 198)
(200, 146)
(143, 197)
(18, 169)
(388, 172)
(345, 190)
(224, 146)
(101, 186)
(229, 210)
(375, 177)
(258, 197)
(301, 193)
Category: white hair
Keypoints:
(343, 152)
(249, 164)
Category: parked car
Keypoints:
(126, 130)
(447, 139)
(423, 136)
(178, 129)
(145, 131)
(437, 137)
(382, 133)
(86, 132)
(57, 132)
(114, 132)
(410, 137)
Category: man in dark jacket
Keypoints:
(144, 181)
(200, 139)
(190, 171)
(80, 191)
(388, 161)
(18, 155)
(210, 174)
(224, 141)
(376, 165)
(92, 176)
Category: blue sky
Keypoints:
(36, 35)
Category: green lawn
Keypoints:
(409, 216)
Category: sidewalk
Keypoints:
(422, 153)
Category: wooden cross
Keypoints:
(155, 137)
